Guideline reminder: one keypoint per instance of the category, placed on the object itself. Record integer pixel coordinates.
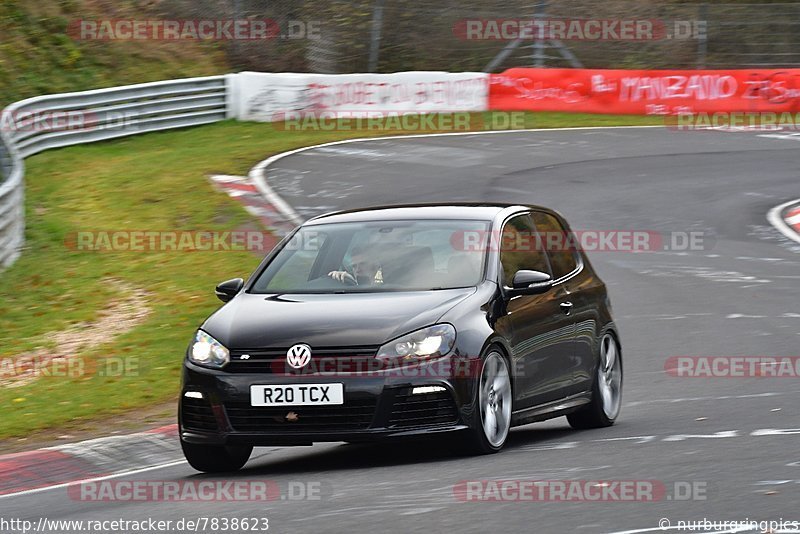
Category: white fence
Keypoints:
(36, 124)
(266, 97)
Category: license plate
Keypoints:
(297, 395)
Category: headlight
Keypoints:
(207, 351)
(424, 344)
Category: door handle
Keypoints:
(566, 307)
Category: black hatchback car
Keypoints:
(399, 321)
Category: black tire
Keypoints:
(596, 413)
(477, 441)
(216, 458)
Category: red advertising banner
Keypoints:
(646, 92)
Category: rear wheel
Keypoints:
(493, 414)
(606, 390)
(216, 458)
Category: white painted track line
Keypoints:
(94, 479)
(257, 173)
(775, 217)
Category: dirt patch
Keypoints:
(119, 317)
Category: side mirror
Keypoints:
(530, 283)
(228, 289)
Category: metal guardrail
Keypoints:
(40, 123)
(12, 203)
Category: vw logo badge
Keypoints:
(298, 356)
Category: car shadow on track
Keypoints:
(421, 450)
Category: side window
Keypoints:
(558, 243)
(519, 249)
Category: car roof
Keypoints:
(454, 211)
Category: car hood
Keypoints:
(252, 321)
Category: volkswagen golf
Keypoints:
(397, 321)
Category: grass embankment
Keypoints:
(41, 54)
(155, 181)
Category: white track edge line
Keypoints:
(94, 479)
(257, 174)
(775, 217)
(735, 530)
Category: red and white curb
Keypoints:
(786, 218)
(95, 459)
(115, 456)
(792, 218)
(118, 456)
(103, 458)
(243, 190)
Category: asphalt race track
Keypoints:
(735, 440)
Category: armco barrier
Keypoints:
(12, 204)
(73, 118)
(40, 123)
(52, 121)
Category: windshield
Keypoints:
(375, 256)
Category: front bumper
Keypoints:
(375, 407)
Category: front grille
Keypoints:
(354, 414)
(196, 414)
(325, 360)
(423, 409)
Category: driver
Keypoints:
(365, 270)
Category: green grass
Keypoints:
(39, 55)
(155, 181)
